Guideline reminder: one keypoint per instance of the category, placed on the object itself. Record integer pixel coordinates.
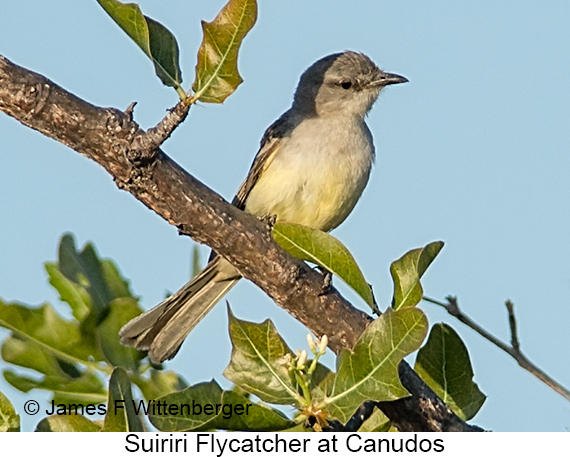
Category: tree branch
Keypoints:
(112, 139)
(144, 146)
(452, 307)
(363, 412)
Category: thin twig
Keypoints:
(513, 350)
(145, 144)
(513, 326)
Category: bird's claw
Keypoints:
(327, 282)
(269, 220)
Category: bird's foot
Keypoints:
(268, 220)
(327, 281)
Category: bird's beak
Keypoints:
(386, 79)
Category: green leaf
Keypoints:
(100, 278)
(326, 251)
(121, 310)
(217, 74)
(117, 286)
(121, 415)
(321, 382)
(72, 423)
(443, 363)
(25, 354)
(377, 422)
(85, 270)
(153, 38)
(84, 390)
(203, 407)
(73, 294)
(297, 428)
(160, 383)
(42, 341)
(370, 371)
(89, 285)
(196, 261)
(407, 271)
(45, 328)
(9, 419)
(260, 361)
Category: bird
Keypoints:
(311, 168)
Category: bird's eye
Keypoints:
(346, 84)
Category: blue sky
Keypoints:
(472, 151)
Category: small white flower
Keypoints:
(323, 344)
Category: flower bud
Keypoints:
(323, 344)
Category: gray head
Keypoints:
(344, 83)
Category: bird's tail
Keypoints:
(162, 330)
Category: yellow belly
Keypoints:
(312, 180)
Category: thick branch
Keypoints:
(109, 137)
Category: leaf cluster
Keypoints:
(217, 75)
(72, 358)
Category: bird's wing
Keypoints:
(269, 146)
(270, 142)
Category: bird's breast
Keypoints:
(316, 175)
